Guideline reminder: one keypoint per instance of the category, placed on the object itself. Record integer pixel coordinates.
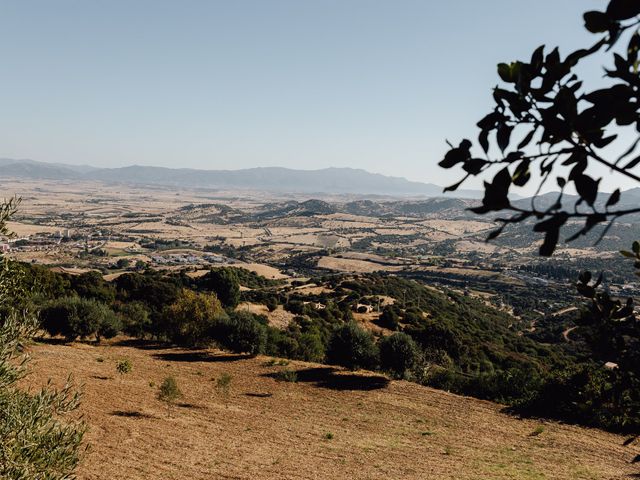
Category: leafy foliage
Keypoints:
(543, 102)
(399, 354)
(352, 347)
(241, 332)
(35, 440)
(75, 317)
(224, 282)
(191, 317)
(169, 392)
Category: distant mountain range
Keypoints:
(268, 179)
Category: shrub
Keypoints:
(135, 319)
(224, 282)
(169, 392)
(272, 303)
(287, 375)
(124, 366)
(241, 332)
(75, 317)
(398, 354)
(389, 318)
(352, 347)
(223, 383)
(189, 320)
(310, 347)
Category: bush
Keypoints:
(352, 347)
(135, 319)
(286, 375)
(389, 318)
(272, 303)
(310, 347)
(241, 332)
(189, 320)
(224, 282)
(169, 392)
(124, 366)
(398, 354)
(75, 317)
(223, 383)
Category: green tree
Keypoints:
(399, 354)
(389, 318)
(37, 441)
(189, 320)
(224, 282)
(352, 347)
(75, 317)
(241, 332)
(135, 319)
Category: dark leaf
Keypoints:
(504, 135)
(584, 277)
(586, 290)
(504, 70)
(473, 166)
(614, 198)
(456, 155)
(552, 223)
(550, 241)
(495, 233)
(537, 58)
(483, 139)
(632, 163)
(623, 9)
(522, 175)
(587, 188)
(527, 139)
(596, 22)
(454, 187)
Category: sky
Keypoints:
(373, 84)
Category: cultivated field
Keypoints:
(324, 426)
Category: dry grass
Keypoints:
(326, 425)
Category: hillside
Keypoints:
(270, 429)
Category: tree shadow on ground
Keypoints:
(258, 395)
(131, 414)
(199, 356)
(51, 340)
(141, 344)
(190, 405)
(334, 379)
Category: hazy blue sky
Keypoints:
(232, 84)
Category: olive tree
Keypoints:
(36, 441)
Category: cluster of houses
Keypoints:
(189, 259)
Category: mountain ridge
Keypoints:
(333, 180)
